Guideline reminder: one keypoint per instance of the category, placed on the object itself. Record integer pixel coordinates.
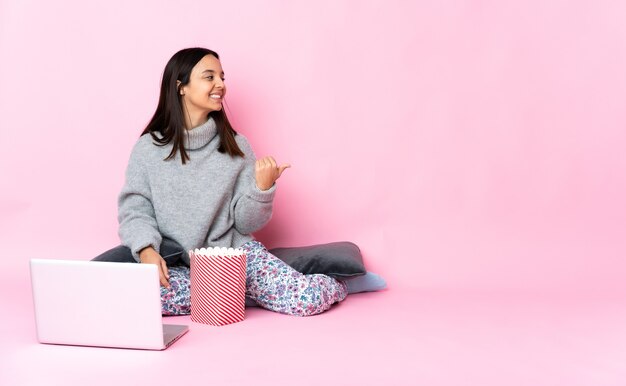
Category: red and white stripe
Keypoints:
(218, 285)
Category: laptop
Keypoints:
(102, 304)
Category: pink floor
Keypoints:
(398, 337)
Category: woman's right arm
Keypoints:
(138, 229)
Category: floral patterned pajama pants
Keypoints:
(270, 282)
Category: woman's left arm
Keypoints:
(254, 191)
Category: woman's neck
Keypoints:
(194, 118)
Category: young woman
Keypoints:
(193, 182)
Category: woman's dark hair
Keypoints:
(169, 119)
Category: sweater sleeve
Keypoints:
(137, 222)
(252, 206)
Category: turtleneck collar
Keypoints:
(200, 135)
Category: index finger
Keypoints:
(166, 272)
(163, 279)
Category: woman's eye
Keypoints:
(210, 77)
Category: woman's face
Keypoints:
(206, 88)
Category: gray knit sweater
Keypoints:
(212, 200)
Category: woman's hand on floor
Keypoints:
(150, 256)
(267, 172)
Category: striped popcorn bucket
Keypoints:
(218, 285)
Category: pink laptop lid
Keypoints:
(97, 303)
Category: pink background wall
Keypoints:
(461, 144)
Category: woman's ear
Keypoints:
(180, 89)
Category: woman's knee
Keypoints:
(313, 303)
